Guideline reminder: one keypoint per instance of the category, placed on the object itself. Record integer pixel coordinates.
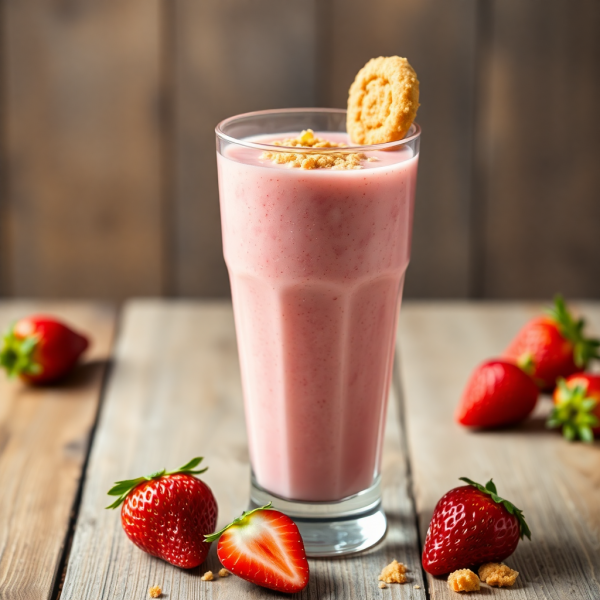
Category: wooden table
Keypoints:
(169, 389)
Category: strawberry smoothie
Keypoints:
(316, 260)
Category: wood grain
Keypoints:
(81, 108)
(44, 437)
(439, 40)
(539, 151)
(555, 483)
(175, 393)
(229, 57)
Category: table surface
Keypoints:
(166, 387)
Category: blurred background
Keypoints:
(107, 112)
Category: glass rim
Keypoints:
(413, 133)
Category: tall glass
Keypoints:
(316, 260)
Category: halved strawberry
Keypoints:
(264, 546)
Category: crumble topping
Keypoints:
(208, 576)
(463, 580)
(299, 160)
(393, 573)
(155, 592)
(224, 573)
(497, 574)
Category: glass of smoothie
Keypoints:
(316, 258)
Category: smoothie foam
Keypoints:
(316, 260)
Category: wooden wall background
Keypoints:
(107, 111)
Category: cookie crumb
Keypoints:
(300, 160)
(393, 573)
(155, 591)
(208, 576)
(224, 573)
(463, 580)
(497, 574)
(382, 585)
(417, 587)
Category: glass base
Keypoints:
(335, 528)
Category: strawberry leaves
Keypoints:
(237, 521)
(584, 349)
(574, 412)
(122, 488)
(490, 489)
(17, 354)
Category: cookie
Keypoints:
(383, 101)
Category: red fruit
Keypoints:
(498, 393)
(168, 514)
(472, 525)
(577, 407)
(555, 344)
(264, 547)
(41, 349)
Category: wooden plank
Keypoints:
(555, 483)
(439, 40)
(44, 437)
(83, 147)
(174, 393)
(230, 57)
(540, 152)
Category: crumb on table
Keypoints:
(497, 574)
(155, 591)
(382, 585)
(224, 573)
(463, 580)
(417, 587)
(208, 576)
(393, 573)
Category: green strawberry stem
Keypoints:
(574, 412)
(17, 354)
(122, 488)
(585, 349)
(490, 489)
(526, 363)
(237, 521)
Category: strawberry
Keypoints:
(264, 546)
(577, 407)
(497, 393)
(41, 349)
(472, 525)
(555, 344)
(167, 514)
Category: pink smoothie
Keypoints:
(316, 260)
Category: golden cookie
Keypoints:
(383, 101)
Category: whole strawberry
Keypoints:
(577, 407)
(472, 525)
(41, 349)
(167, 514)
(497, 393)
(555, 344)
(264, 547)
